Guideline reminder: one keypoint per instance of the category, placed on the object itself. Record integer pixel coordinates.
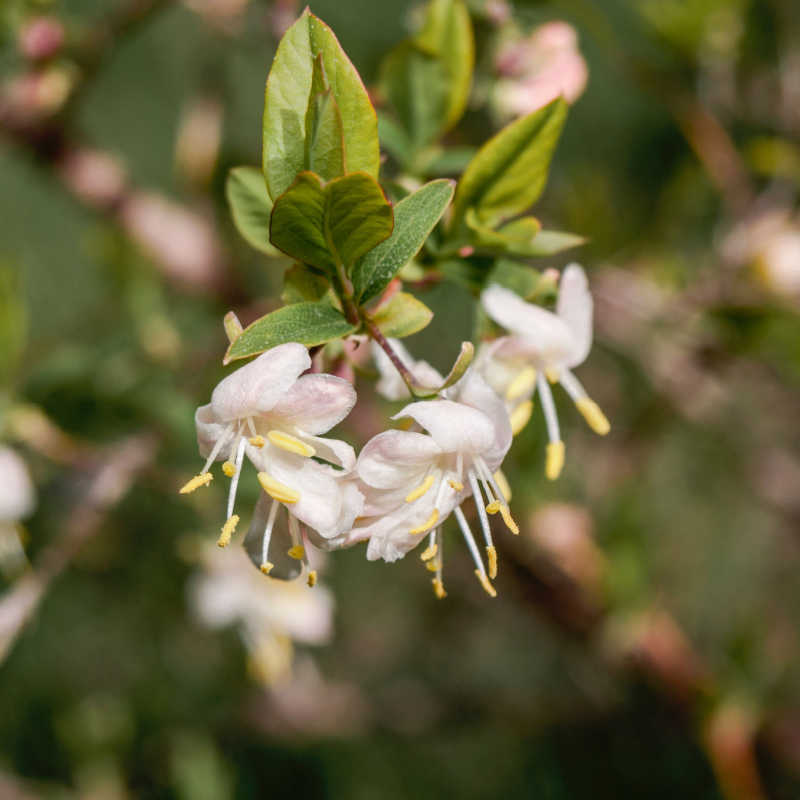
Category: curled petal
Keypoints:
(396, 458)
(575, 307)
(455, 427)
(209, 431)
(315, 403)
(334, 451)
(472, 390)
(543, 336)
(256, 387)
(391, 385)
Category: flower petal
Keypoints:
(256, 387)
(396, 458)
(17, 495)
(575, 307)
(209, 431)
(544, 337)
(335, 451)
(315, 403)
(284, 567)
(455, 427)
(472, 390)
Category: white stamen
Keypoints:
(550, 417)
(572, 385)
(273, 512)
(482, 515)
(235, 478)
(469, 539)
(212, 456)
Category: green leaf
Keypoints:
(324, 134)
(447, 35)
(286, 102)
(308, 323)
(510, 171)
(335, 223)
(251, 207)
(301, 284)
(402, 316)
(414, 218)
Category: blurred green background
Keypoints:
(645, 638)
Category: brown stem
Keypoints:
(405, 372)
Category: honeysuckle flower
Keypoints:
(270, 412)
(17, 495)
(413, 481)
(391, 384)
(544, 346)
(270, 615)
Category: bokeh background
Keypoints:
(645, 641)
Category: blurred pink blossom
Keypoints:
(537, 69)
(183, 242)
(41, 38)
(95, 177)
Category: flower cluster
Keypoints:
(407, 481)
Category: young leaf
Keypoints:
(427, 79)
(414, 218)
(457, 371)
(251, 207)
(527, 282)
(402, 316)
(308, 323)
(510, 171)
(335, 223)
(286, 101)
(324, 135)
(548, 243)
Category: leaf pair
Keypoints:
(317, 114)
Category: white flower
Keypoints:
(272, 413)
(543, 346)
(270, 615)
(414, 481)
(17, 496)
(391, 384)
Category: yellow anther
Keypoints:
(520, 416)
(428, 524)
(312, 577)
(229, 468)
(593, 415)
(421, 489)
(505, 513)
(552, 374)
(429, 552)
(491, 557)
(457, 485)
(257, 441)
(503, 484)
(277, 490)
(433, 566)
(297, 552)
(493, 507)
(290, 444)
(266, 567)
(522, 384)
(438, 588)
(227, 530)
(487, 586)
(555, 460)
(195, 483)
